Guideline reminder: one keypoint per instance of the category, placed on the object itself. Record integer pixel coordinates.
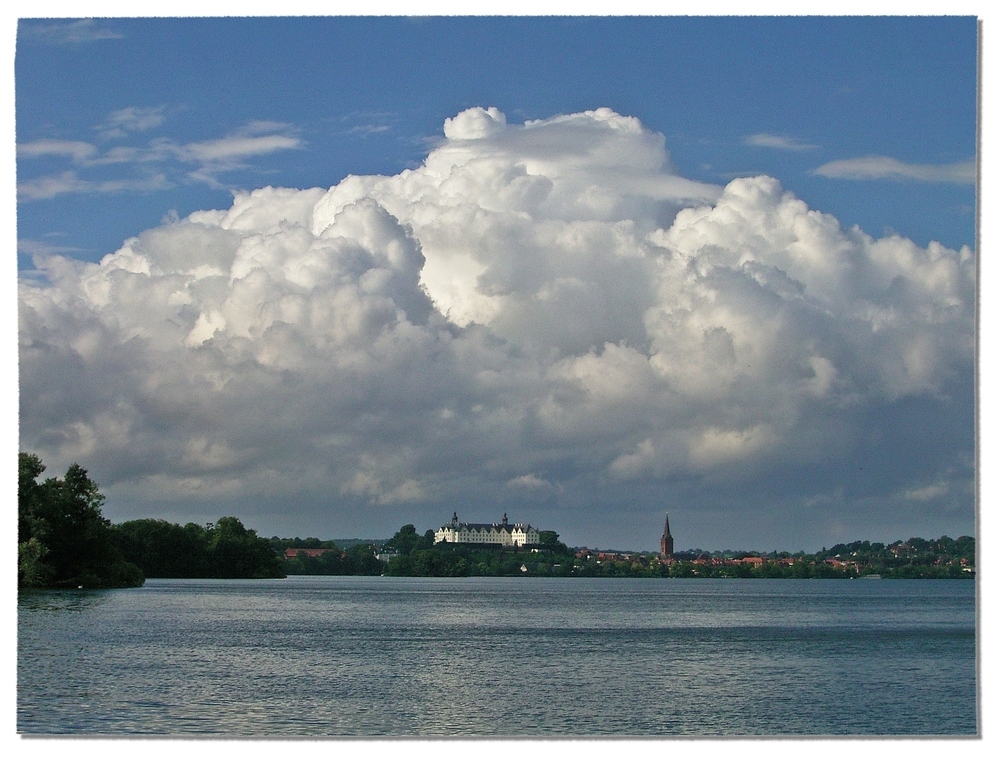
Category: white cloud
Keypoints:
(529, 481)
(202, 161)
(122, 122)
(42, 248)
(929, 492)
(475, 123)
(78, 151)
(778, 142)
(230, 153)
(368, 123)
(881, 167)
(69, 33)
(234, 148)
(548, 298)
(368, 130)
(69, 182)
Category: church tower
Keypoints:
(667, 541)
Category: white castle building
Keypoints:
(489, 534)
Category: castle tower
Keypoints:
(667, 541)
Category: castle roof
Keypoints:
(503, 526)
(487, 527)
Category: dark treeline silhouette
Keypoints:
(62, 538)
(65, 541)
(223, 550)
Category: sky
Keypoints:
(335, 275)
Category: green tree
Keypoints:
(360, 560)
(29, 522)
(965, 547)
(164, 550)
(235, 552)
(405, 541)
(550, 539)
(32, 571)
(401, 565)
(73, 544)
(801, 570)
(682, 569)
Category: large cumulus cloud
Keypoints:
(536, 310)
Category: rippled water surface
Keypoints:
(360, 656)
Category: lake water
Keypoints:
(503, 658)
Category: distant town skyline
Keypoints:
(335, 275)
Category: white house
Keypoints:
(503, 533)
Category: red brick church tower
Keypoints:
(667, 541)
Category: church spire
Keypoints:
(667, 540)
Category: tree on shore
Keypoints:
(236, 552)
(224, 550)
(164, 550)
(63, 540)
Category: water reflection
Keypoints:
(60, 601)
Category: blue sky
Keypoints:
(733, 96)
(765, 399)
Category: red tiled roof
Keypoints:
(311, 552)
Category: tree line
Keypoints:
(64, 541)
(357, 560)
(223, 550)
(916, 558)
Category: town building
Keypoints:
(667, 541)
(508, 535)
(306, 552)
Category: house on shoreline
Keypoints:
(307, 552)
